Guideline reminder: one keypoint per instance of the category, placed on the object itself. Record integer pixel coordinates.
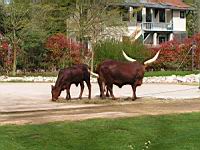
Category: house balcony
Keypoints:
(154, 26)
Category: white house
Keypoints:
(157, 21)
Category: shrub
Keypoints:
(64, 51)
(5, 56)
(111, 49)
(175, 55)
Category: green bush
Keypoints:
(111, 49)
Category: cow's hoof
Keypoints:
(114, 98)
(133, 99)
(107, 95)
(54, 99)
(103, 97)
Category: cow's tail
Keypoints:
(92, 73)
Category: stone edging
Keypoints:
(168, 79)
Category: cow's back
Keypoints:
(60, 78)
(120, 73)
(76, 74)
(85, 75)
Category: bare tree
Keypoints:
(94, 20)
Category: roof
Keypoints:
(175, 3)
(162, 4)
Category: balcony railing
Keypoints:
(153, 26)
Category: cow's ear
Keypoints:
(52, 87)
(145, 67)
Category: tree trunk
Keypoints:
(14, 59)
(92, 61)
(92, 57)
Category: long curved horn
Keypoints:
(152, 59)
(127, 57)
(94, 74)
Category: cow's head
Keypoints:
(55, 91)
(146, 62)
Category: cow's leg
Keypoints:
(89, 88)
(68, 92)
(107, 92)
(67, 96)
(82, 88)
(110, 88)
(99, 83)
(134, 91)
(101, 87)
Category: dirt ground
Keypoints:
(107, 110)
(30, 103)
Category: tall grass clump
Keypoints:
(111, 49)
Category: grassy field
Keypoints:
(147, 74)
(171, 132)
(169, 73)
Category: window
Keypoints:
(162, 15)
(148, 15)
(139, 16)
(156, 13)
(182, 14)
(125, 15)
(162, 39)
(7, 1)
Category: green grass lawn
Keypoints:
(147, 74)
(171, 132)
(169, 73)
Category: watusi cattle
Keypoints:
(76, 74)
(111, 72)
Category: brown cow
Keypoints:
(76, 74)
(121, 73)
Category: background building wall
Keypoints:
(179, 24)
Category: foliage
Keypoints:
(86, 20)
(2, 16)
(46, 19)
(49, 17)
(177, 132)
(90, 20)
(111, 49)
(33, 53)
(14, 22)
(193, 17)
(175, 55)
(197, 15)
(64, 51)
(28, 25)
(5, 56)
(188, 1)
(191, 24)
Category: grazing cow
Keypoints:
(76, 74)
(121, 73)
